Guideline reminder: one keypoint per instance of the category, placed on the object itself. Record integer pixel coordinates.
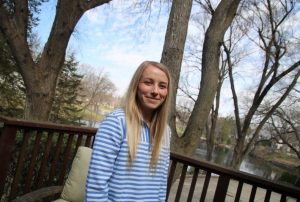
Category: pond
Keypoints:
(256, 166)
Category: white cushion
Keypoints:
(74, 188)
(60, 200)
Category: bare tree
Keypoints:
(277, 67)
(185, 88)
(40, 77)
(232, 39)
(284, 127)
(221, 19)
(97, 89)
(211, 124)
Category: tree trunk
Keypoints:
(238, 154)
(209, 142)
(39, 97)
(221, 20)
(172, 56)
(214, 119)
(173, 49)
(40, 77)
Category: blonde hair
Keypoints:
(134, 119)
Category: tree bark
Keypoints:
(210, 138)
(221, 20)
(173, 49)
(40, 77)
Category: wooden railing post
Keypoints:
(65, 144)
(7, 143)
(170, 178)
(221, 189)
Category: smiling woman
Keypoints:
(152, 91)
(130, 157)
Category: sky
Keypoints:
(111, 39)
(115, 39)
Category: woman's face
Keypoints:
(152, 89)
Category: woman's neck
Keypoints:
(147, 116)
(147, 120)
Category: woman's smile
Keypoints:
(152, 89)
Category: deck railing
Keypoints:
(35, 155)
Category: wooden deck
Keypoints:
(35, 155)
(230, 195)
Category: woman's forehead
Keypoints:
(155, 73)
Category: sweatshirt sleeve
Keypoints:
(166, 159)
(105, 150)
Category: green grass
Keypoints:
(277, 156)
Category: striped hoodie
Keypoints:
(110, 178)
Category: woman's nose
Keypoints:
(155, 89)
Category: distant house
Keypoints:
(283, 147)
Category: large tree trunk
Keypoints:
(39, 97)
(174, 47)
(173, 53)
(221, 20)
(172, 57)
(40, 77)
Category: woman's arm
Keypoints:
(166, 159)
(105, 150)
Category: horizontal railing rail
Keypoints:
(39, 154)
(225, 177)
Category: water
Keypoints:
(255, 166)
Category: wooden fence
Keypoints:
(35, 155)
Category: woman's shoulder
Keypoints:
(117, 113)
(114, 119)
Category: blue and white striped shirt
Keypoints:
(110, 179)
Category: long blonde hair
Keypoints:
(134, 118)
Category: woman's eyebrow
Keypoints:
(146, 78)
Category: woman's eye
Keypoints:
(163, 86)
(147, 82)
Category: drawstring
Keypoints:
(149, 135)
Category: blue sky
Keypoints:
(115, 39)
(112, 39)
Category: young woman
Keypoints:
(130, 157)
